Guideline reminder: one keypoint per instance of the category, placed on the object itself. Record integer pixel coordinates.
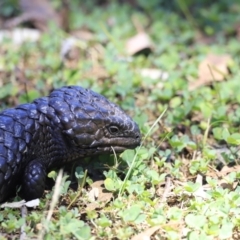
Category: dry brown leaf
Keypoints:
(213, 173)
(84, 35)
(212, 68)
(138, 43)
(99, 193)
(38, 12)
(146, 234)
(226, 185)
(97, 72)
(221, 174)
(226, 170)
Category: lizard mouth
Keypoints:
(122, 149)
(118, 148)
(118, 144)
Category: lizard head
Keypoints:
(90, 121)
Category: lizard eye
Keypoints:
(113, 130)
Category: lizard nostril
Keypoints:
(137, 137)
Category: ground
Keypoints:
(174, 67)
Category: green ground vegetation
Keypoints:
(182, 183)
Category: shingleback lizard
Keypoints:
(71, 123)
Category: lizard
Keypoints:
(69, 124)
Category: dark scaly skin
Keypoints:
(69, 124)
